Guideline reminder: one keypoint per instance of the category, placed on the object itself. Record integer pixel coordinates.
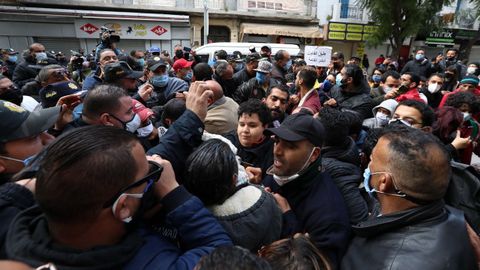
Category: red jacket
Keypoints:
(410, 94)
(476, 92)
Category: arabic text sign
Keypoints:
(125, 29)
(319, 56)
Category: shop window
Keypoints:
(260, 4)
(252, 4)
(278, 6)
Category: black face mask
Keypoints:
(179, 54)
(13, 94)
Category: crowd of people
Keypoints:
(140, 160)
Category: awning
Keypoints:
(281, 30)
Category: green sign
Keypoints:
(350, 31)
(356, 28)
(336, 35)
(337, 27)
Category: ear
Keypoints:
(385, 183)
(316, 154)
(105, 119)
(121, 209)
(263, 100)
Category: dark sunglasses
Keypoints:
(154, 173)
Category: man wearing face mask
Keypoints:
(106, 56)
(122, 75)
(452, 60)
(387, 89)
(419, 66)
(413, 222)
(248, 72)
(473, 69)
(432, 91)
(9, 58)
(183, 70)
(351, 92)
(27, 70)
(256, 87)
(164, 86)
(107, 105)
(10, 92)
(223, 74)
(308, 197)
(281, 66)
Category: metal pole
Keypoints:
(205, 22)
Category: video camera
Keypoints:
(77, 63)
(110, 37)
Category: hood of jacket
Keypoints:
(29, 241)
(348, 152)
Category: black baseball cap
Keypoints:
(155, 62)
(18, 123)
(120, 70)
(299, 126)
(50, 94)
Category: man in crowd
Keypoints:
(413, 223)
(265, 53)
(183, 70)
(281, 65)
(9, 59)
(140, 56)
(106, 56)
(467, 84)
(222, 111)
(387, 89)
(164, 87)
(409, 83)
(251, 63)
(10, 92)
(277, 102)
(352, 92)
(202, 72)
(89, 188)
(223, 74)
(256, 87)
(308, 198)
(432, 90)
(307, 95)
(420, 66)
(26, 70)
(451, 59)
(414, 113)
(123, 76)
(336, 64)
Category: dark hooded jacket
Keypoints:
(342, 163)
(358, 100)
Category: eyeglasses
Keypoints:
(152, 177)
(24, 161)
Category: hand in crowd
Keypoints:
(197, 99)
(28, 183)
(254, 175)
(331, 102)
(145, 91)
(167, 181)
(294, 99)
(461, 143)
(68, 103)
(281, 201)
(391, 94)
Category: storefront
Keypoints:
(65, 30)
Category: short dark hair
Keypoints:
(172, 110)
(221, 67)
(221, 54)
(81, 170)
(202, 72)
(452, 50)
(336, 126)
(413, 77)
(254, 105)
(356, 73)
(133, 52)
(280, 87)
(103, 98)
(233, 258)
(297, 252)
(440, 75)
(428, 115)
(309, 76)
(390, 73)
(209, 172)
(420, 172)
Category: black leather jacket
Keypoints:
(430, 237)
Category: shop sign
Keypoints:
(125, 29)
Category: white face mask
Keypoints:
(433, 88)
(282, 180)
(145, 131)
(466, 116)
(387, 89)
(382, 119)
(133, 124)
(471, 70)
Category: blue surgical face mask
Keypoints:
(25, 162)
(338, 80)
(419, 56)
(261, 77)
(288, 65)
(327, 85)
(188, 76)
(40, 56)
(366, 182)
(376, 78)
(160, 81)
(141, 62)
(12, 58)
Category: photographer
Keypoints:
(109, 41)
(80, 66)
(106, 56)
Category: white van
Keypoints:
(207, 51)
